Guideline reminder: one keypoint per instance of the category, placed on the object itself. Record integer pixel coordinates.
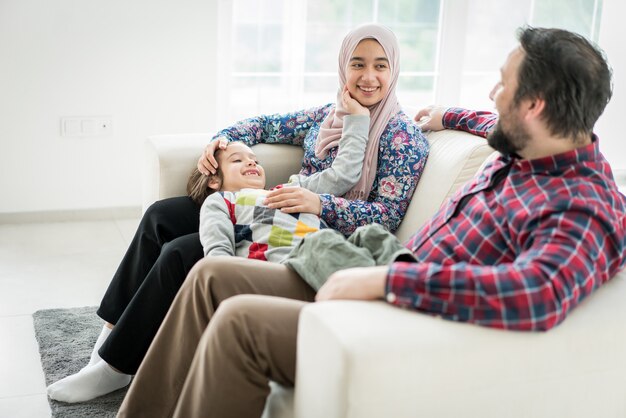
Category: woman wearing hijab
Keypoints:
(167, 245)
(216, 352)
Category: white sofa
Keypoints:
(370, 359)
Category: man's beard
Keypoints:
(511, 141)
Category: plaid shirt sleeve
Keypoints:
(562, 257)
(475, 122)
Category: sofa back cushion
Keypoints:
(454, 158)
(169, 160)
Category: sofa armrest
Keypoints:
(170, 159)
(168, 162)
(370, 359)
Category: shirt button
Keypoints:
(391, 297)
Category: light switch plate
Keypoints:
(86, 126)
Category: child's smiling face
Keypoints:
(239, 169)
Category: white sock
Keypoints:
(89, 383)
(95, 357)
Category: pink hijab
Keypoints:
(380, 113)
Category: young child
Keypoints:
(235, 219)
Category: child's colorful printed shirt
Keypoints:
(238, 224)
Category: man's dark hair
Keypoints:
(569, 74)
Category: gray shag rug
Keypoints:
(66, 338)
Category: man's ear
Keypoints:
(215, 183)
(533, 108)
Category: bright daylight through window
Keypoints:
(280, 55)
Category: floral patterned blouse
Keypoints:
(402, 154)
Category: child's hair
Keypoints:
(198, 184)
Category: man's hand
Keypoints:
(294, 200)
(430, 118)
(360, 283)
(207, 164)
(352, 106)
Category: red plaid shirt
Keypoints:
(520, 245)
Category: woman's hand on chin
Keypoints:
(352, 106)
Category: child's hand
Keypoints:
(352, 106)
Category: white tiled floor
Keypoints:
(48, 265)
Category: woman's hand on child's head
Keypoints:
(294, 200)
(207, 164)
(430, 118)
(352, 106)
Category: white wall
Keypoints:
(610, 127)
(150, 64)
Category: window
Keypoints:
(492, 35)
(281, 55)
